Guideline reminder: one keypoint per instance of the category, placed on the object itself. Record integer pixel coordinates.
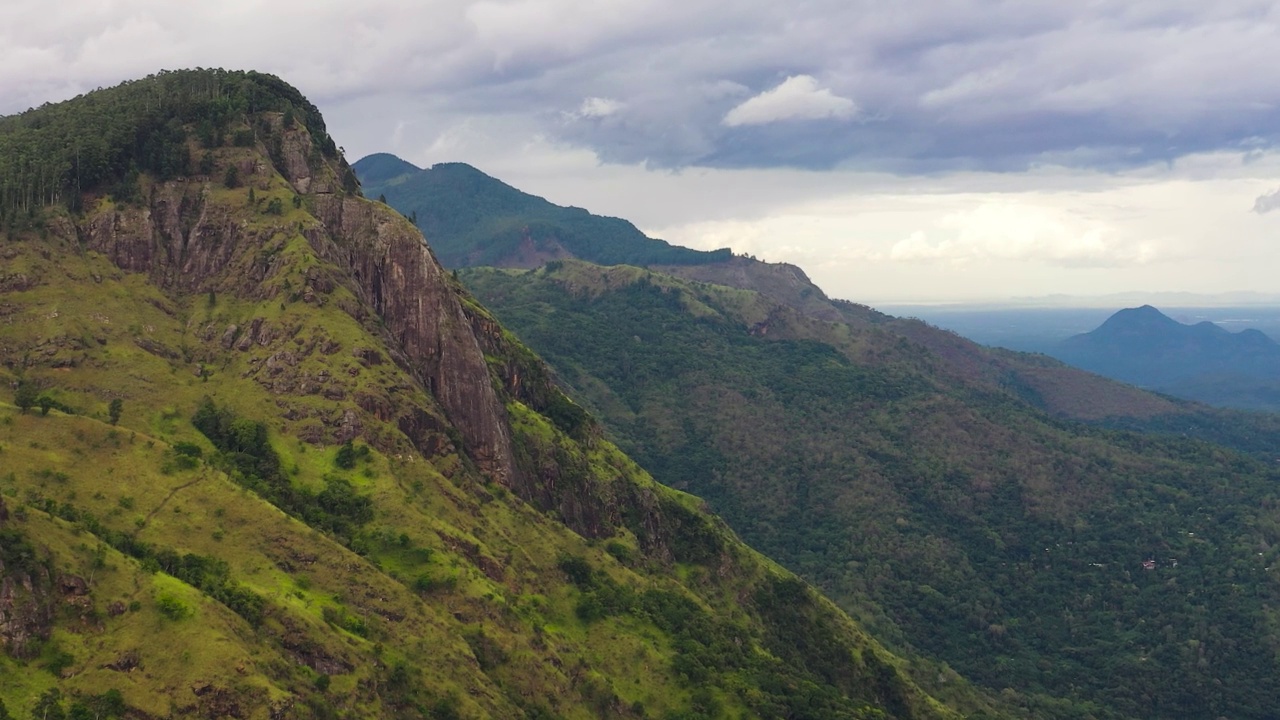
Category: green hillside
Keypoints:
(936, 490)
(474, 219)
(261, 457)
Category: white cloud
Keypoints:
(798, 98)
(598, 107)
(965, 83)
(1011, 230)
(984, 105)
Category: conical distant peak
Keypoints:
(1145, 317)
(1144, 311)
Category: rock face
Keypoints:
(187, 244)
(26, 594)
(399, 278)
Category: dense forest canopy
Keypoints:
(104, 139)
(473, 219)
(1098, 574)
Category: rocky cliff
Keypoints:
(26, 593)
(286, 467)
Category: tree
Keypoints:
(232, 178)
(114, 410)
(25, 396)
(46, 403)
(346, 457)
(49, 706)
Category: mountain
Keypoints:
(457, 206)
(992, 510)
(1204, 362)
(939, 491)
(382, 169)
(266, 458)
(474, 219)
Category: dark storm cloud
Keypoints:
(908, 87)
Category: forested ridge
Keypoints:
(474, 219)
(1087, 571)
(103, 140)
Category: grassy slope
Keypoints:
(951, 517)
(451, 601)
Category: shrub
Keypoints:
(578, 570)
(172, 608)
(620, 552)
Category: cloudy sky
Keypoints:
(933, 150)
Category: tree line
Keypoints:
(106, 138)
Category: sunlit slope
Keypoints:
(260, 456)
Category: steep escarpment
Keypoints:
(26, 592)
(187, 241)
(298, 473)
(396, 275)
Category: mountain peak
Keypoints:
(472, 218)
(383, 167)
(1141, 318)
(1146, 347)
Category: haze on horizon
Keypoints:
(960, 150)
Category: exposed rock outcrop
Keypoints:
(27, 597)
(187, 244)
(399, 278)
(782, 282)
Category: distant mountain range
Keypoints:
(1144, 347)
